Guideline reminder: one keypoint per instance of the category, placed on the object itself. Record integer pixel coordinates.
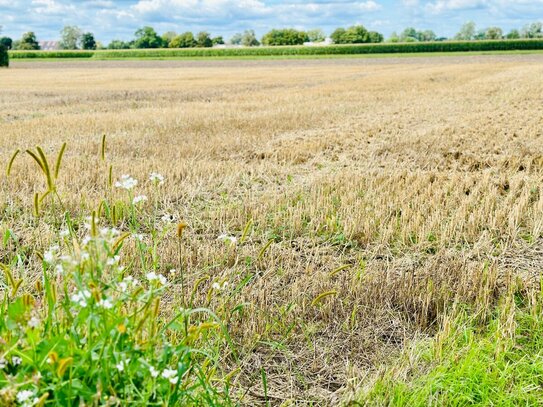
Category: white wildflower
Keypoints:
(81, 298)
(59, 269)
(126, 182)
(169, 218)
(16, 360)
(106, 304)
(171, 375)
(113, 260)
(138, 199)
(64, 233)
(156, 178)
(226, 238)
(50, 255)
(173, 272)
(220, 287)
(86, 240)
(24, 395)
(153, 371)
(152, 276)
(34, 322)
(138, 237)
(3, 363)
(122, 365)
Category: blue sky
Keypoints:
(119, 19)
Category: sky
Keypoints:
(119, 19)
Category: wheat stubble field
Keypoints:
(369, 210)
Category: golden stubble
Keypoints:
(370, 197)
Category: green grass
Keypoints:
(498, 363)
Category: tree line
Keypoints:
(72, 37)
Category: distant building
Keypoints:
(49, 45)
(327, 41)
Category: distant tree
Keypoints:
(248, 39)
(118, 44)
(493, 33)
(409, 32)
(6, 42)
(203, 40)
(236, 39)
(88, 41)
(338, 35)
(513, 35)
(70, 37)
(534, 30)
(357, 34)
(217, 40)
(28, 42)
(185, 40)
(316, 35)
(481, 35)
(286, 36)
(146, 37)
(375, 37)
(394, 37)
(167, 38)
(467, 32)
(427, 35)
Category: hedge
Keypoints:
(4, 56)
(381, 48)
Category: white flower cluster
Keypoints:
(26, 398)
(126, 182)
(227, 238)
(168, 374)
(152, 276)
(220, 287)
(156, 178)
(139, 199)
(81, 298)
(127, 282)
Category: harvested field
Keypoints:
(366, 196)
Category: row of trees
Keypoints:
(469, 32)
(72, 37)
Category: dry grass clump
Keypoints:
(355, 202)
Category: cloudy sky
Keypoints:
(119, 19)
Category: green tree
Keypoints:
(338, 36)
(248, 39)
(534, 30)
(409, 32)
(147, 37)
(375, 37)
(70, 37)
(203, 40)
(28, 42)
(88, 41)
(217, 40)
(357, 34)
(118, 44)
(394, 37)
(236, 39)
(493, 33)
(513, 35)
(6, 42)
(185, 40)
(467, 32)
(427, 35)
(286, 36)
(167, 38)
(316, 35)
